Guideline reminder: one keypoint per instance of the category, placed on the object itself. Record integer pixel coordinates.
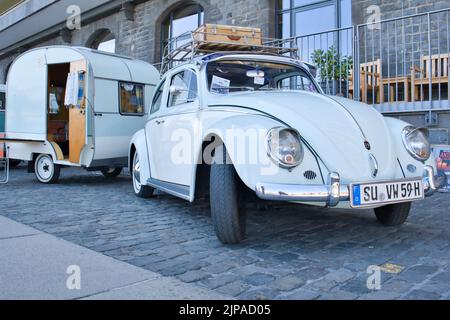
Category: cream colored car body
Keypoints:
(334, 132)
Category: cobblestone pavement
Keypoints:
(291, 253)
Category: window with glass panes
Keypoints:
(303, 17)
(175, 29)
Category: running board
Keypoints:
(173, 189)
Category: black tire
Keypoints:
(393, 215)
(46, 170)
(227, 212)
(140, 190)
(112, 172)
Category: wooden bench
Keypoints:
(370, 80)
(433, 70)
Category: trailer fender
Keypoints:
(27, 150)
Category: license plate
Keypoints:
(371, 194)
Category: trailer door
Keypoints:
(26, 117)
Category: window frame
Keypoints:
(161, 85)
(293, 10)
(168, 106)
(120, 99)
(304, 70)
(168, 21)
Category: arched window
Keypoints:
(179, 22)
(103, 40)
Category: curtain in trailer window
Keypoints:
(132, 99)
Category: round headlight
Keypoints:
(284, 147)
(417, 143)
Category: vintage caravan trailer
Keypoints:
(73, 106)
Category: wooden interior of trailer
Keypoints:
(66, 125)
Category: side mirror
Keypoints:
(176, 90)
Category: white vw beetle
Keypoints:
(236, 125)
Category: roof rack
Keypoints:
(216, 38)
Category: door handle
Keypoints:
(159, 122)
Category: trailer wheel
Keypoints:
(46, 170)
(140, 190)
(112, 172)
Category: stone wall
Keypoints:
(141, 38)
(395, 8)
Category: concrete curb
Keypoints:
(34, 266)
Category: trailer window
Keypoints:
(131, 99)
(2, 101)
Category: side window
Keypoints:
(157, 98)
(2, 101)
(297, 82)
(131, 99)
(185, 84)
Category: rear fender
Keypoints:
(139, 144)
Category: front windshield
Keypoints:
(228, 76)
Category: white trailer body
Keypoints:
(115, 94)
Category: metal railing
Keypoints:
(332, 53)
(403, 64)
(396, 65)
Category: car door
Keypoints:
(171, 131)
(152, 127)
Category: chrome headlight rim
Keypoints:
(407, 131)
(275, 159)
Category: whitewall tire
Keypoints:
(140, 190)
(46, 170)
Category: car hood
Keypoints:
(335, 128)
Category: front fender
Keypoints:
(396, 126)
(244, 136)
(139, 144)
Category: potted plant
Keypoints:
(334, 70)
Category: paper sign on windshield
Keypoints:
(220, 85)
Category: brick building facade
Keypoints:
(137, 25)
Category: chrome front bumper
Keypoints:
(333, 192)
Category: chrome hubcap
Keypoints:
(137, 173)
(45, 168)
